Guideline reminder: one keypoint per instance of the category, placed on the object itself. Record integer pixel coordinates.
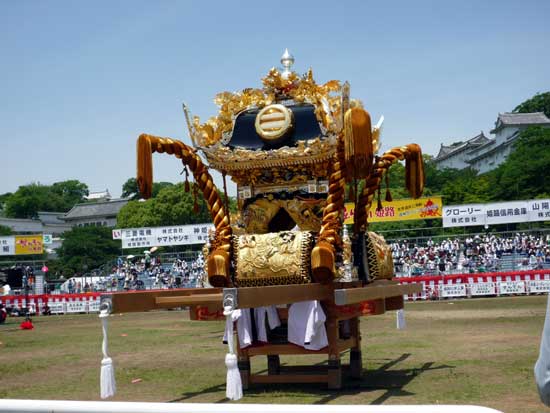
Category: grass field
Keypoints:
(453, 352)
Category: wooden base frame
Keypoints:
(341, 302)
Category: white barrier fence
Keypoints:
(498, 288)
(57, 304)
(68, 406)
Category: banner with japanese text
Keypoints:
(7, 245)
(29, 244)
(164, 236)
(400, 210)
(496, 213)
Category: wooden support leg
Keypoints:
(355, 358)
(334, 365)
(334, 374)
(244, 369)
(243, 364)
(273, 365)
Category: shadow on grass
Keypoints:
(382, 378)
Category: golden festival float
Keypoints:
(286, 273)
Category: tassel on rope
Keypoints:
(234, 387)
(388, 193)
(414, 171)
(379, 205)
(144, 166)
(358, 150)
(107, 376)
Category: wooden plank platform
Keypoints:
(292, 349)
(137, 301)
(189, 300)
(374, 291)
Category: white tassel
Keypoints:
(401, 323)
(234, 387)
(107, 378)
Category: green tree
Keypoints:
(3, 199)
(69, 193)
(86, 248)
(5, 230)
(172, 206)
(523, 174)
(29, 199)
(538, 103)
(130, 188)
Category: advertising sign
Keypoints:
(56, 307)
(464, 215)
(496, 213)
(452, 290)
(165, 236)
(483, 289)
(505, 212)
(512, 287)
(538, 210)
(540, 286)
(7, 245)
(400, 210)
(75, 306)
(29, 244)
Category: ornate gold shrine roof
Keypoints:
(291, 120)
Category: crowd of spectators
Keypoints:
(479, 253)
(147, 272)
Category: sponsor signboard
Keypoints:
(483, 289)
(93, 306)
(75, 306)
(29, 244)
(538, 210)
(505, 212)
(400, 210)
(56, 307)
(165, 236)
(452, 290)
(512, 287)
(464, 215)
(7, 245)
(496, 213)
(539, 286)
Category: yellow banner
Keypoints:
(28, 244)
(400, 210)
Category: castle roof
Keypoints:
(520, 119)
(457, 147)
(95, 209)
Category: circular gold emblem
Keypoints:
(273, 122)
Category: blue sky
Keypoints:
(81, 80)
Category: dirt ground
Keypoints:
(479, 351)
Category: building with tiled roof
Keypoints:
(100, 214)
(484, 154)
